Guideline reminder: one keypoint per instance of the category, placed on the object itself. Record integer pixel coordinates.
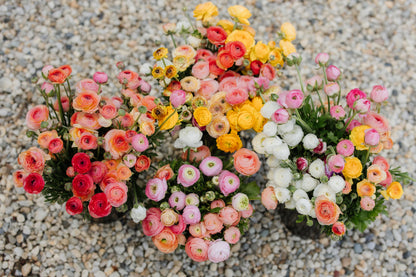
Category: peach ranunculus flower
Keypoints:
(268, 198)
(86, 120)
(45, 137)
(33, 160)
(246, 162)
(35, 116)
(87, 101)
(166, 241)
(86, 84)
(213, 223)
(197, 249)
(219, 126)
(116, 143)
(186, 51)
(365, 188)
(198, 230)
(327, 212)
(165, 172)
(376, 174)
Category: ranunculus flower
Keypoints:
(228, 215)
(46, 69)
(246, 162)
(267, 71)
(367, 203)
(247, 213)
(57, 75)
(165, 172)
(100, 77)
(236, 48)
(353, 96)
(177, 200)
(188, 175)
(99, 205)
(197, 249)
(236, 96)
(169, 217)
(86, 84)
(108, 111)
(280, 116)
(211, 166)
(81, 162)
(128, 76)
(208, 88)
(337, 112)
(240, 202)
(376, 121)
(294, 99)
(45, 137)
(83, 186)
(327, 212)
(225, 60)
(232, 235)
(268, 198)
(372, 137)
(36, 116)
(213, 223)
(332, 73)
(338, 228)
(196, 156)
(33, 183)
(18, 178)
(218, 251)
(382, 162)
(228, 182)
(88, 141)
(345, 147)
(64, 102)
(156, 189)
(177, 98)
(219, 203)
(216, 35)
(152, 224)
(140, 142)
(74, 206)
(116, 143)
(189, 137)
(321, 59)
(116, 193)
(362, 105)
(302, 163)
(379, 94)
(331, 89)
(56, 145)
(87, 101)
(33, 160)
(336, 163)
(138, 213)
(191, 214)
(200, 70)
(86, 120)
(179, 227)
(98, 171)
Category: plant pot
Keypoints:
(288, 218)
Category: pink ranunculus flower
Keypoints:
(228, 84)
(177, 200)
(188, 175)
(268, 198)
(236, 96)
(46, 87)
(100, 77)
(268, 71)
(46, 69)
(211, 166)
(33, 160)
(382, 162)
(367, 203)
(228, 215)
(372, 137)
(336, 163)
(177, 98)
(245, 82)
(322, 59)
(208, 88)
(376, 121)
(345, 148)
(379, 94)
(191, 214)
(64, 103)
(109, 111)
(247, 213)
(197, 249)
(116, 193)
(144, 86)
(353, 96)
(232, 235)
(282, 99)
(332, 73)
(362, 105)
(314, 83)
(280, 116)
(56, 145)
(198, 230)
(97, 171)
(213, 223)
(331, 89)
(354, 123)
(218, 251)
(302, 163)
(36, 116)
(156, 189)
(130, 160)
(294, 99)
(179, 227)
(228, 182)
(152, 225)
(86, 84)
(200, 70)
(140, 142)
(338, 228)
(219, 203)
(337, 112)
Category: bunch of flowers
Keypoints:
(92, 147)
(201, 204)
(324, 157)
(216, 79)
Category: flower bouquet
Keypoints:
(324, 152)
(92, 147)
(201, 204)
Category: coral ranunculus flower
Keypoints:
(166, 241)
(36, 116)
(365, 188)
(116, 143)
(246, 162)
(87, 101)
(33, 160)
(57, 75)
(327, 212)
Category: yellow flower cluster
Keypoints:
(247, 116)
(394, 191)
(229, 142)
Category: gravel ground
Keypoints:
(372, 41)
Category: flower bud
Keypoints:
(123, 208)
(164, 205)
(68, 186)
(331, 89)
(314, 83)
(302, 164)
(175, 189)
(322, 59)
(332, 73)
(362, 105)
(145, 87)
(169, 28)
(45, 71)
(210, 195)
(120, 65)
(379, 94)
(372, 137)
(107, 156)
(100, 77)
(142, 109)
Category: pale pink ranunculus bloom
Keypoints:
(100, 77)
(228, 215)
(268, 71)
(294, 99)
(200, 70)
(35, 116)
(218, 251)
(372, 137)
(213, 223)
(345, 148)
(152, 224)
(86, 84)
(236, 96)
(177, 200)
(188, 175)
(247, 213)
(280, 116)
(322, 59)
(47, 87)
(211, 166)
(208, 88)
(367, 203)
(268, 198)
(98, 171)
(379, 94)
(219, 203)
(337, 112)
(362, 105)
(353, 96)
(331, 89)
(156, 189)
(228, 182)
(140, 142)
(177, 98)
(336, 163)
(191, 214)
(116, 193)
(332, 73)
(376, 121)
(232, 235)
(228, 84)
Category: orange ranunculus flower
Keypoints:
(124, 173)
(225, 60)
(112, 164)
(229, 142)
(327, 212)
(67, 69)
(116, 143)
(246, 162)
(45, 137)
(87, 101)
(149, 102)
(365, 188)
(109, 178)
(33, 160)
(166, 241)
(376, 174)
(142, 163)
(35, 116)
(57, 75)
(165, 172)
(147, 128)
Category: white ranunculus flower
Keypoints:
(291, 204)
(146, 69)
(281, 152)
(138, 213)
(269, 175)
(257, 143)
(336, 183)
(271, 143)
(308, 182)
(269, 108)
(312, 213)
(194, 41)
(317, 168)
(104, 122)
(189, 137)
(304, 206)
(298, 184)
(294, 137)
(324, 189)
(270, 128)
(273, 162)
(300, 194)
(310, 141)
(282, 194)
(287, 127)
(282, 177)
(183, 26)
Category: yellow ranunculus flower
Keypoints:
(287, 47)
(357, 137)
(227, 25)
(241, 13)
(205, 11)
(158, 72)
(229, 142)
(244, 37)
(260, 52)
(249, 29)
(169, 120)
(352, 168)
(160, 53)
(248, 107)
(170, 71)
(232, 117)
(181, 63)
(257, 103)
(259, 123)
(202, 116)
(365, 188)
(272, 44)
(289, 31)
(395, 190)
(275, 57)
(159, 112)
(245, 120)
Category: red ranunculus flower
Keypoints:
(99, 205)
(83, 186)
(81, 163)
(74, 206)
(33, 183)
(216, 35)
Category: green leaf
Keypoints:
(300, 218)
(215, 210)
(252, 190)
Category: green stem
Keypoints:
(300, 77)
(173, 40)
(61, 110)
(339, 93)
(351, 118)
(320, 100)
(303, 123)
(367, 155)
